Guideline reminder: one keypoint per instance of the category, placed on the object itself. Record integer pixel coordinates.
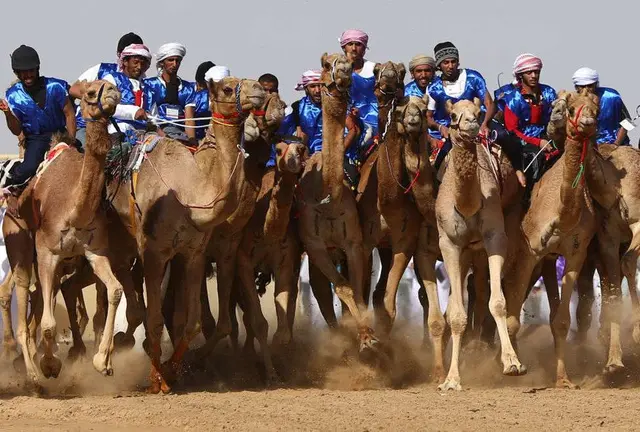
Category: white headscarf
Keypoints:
(585, 76)
(167, 50)
(217, 73)
(133, 50)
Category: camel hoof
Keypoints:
(438, 374)
(101, 364)
(612, 368)
(76, 352)
(515, 370)
(367, 340)
(50, 367)
(566, 383)
(122, 342)
(450, 384)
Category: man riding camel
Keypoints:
(167, 95)
(200, 107)
(37, 107)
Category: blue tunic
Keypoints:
(35, 120)
(500, 95)
(612, 112)
(515, 101)
(412, 89)
(127, 97)
(202, 109)
(104, 70)
(155, 92)
(364, 98)
(475, 86)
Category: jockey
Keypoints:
(167, 95)
(200, 107)
(134, 62)
(95, 73)
(422, 69)
(612, 109)
(455, 84)
(527, 111)
(354, 44)
(269, 83)
(37, 107)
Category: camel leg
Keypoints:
(252, 309)
(8, 341)
(135, 313)
(48, 273)
(425, 265)
(70, 292)
(208, 321)
(154, 269)
(100, 317)
(517, 285)
(81, 311)
(321, 288)
(457, 263)
(611, 301)
(480, 281)
(561, 321)
(192, 283)
(349, 294)
(35, 317)
(550, 279)
(585, 298)
(496, 247)
(292, 264)
(234, 302)
(629, 269)
(283, 293)
(102, 269)
(386, 258)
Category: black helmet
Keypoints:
(202, 69)
(25, 58)
(128, 39)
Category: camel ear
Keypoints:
(563, 95)
(425, 99)
(448, 106)
(402, 71)
(376, 70)
(477, 102)
(400, 127)
(324, 62)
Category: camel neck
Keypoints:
(602, 179)
(416, 161)
(466, 186)
(334, 108)
(88, 191)
(277, 220)
(572, 188)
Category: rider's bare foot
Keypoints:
(521, 178)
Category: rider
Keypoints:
(133, 63)
(422, 69)
(97, 72)
(269, 82)
(37, 107)
(200, 106)
(527, 111)
(167, 95)
(612, 109)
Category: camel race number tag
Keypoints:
(629, 125)
(173, 113)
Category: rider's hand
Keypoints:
(140, 115)
(4, 106)
(546, 145)
(444, 131)
(484, 130)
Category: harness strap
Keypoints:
(132, 202)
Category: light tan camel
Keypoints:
(178, 199)
(560, 221)
(9, 344)
(329, 226)
(67, 223)
(470, 222)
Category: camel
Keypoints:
(269, 243)
(469, 212)
(171, 205)
(611, 174)
(329, 225)
(560, 221)
(9, 344)
(67, 223)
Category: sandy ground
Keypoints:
(326, 386)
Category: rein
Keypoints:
(584, 139)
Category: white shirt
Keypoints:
(452, 89)
(124, 111)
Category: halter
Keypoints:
(240, 113)
(585, 146)
(378, 81)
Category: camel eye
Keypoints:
(227, 90)
(454, 117)
(571, 110)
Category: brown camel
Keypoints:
(9, 344)
(224, 242)
(560, 221)
(470, 219)
(69, 223)
(329, 225)
(171, 206)
(270, 244)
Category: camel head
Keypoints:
(465, 118)
(579, 112)
(412, 115)
(232, 98)
(291, 156)
(336, 73)
(99, 100)
(389, 78)
(271, 113)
